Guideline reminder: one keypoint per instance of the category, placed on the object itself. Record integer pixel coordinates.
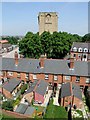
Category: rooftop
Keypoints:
(70, 89)
(11, 84)
(41, 87)
(53, 66)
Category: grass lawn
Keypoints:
(39, 108)
(54, 111)
(6, 117)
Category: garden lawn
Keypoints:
(54, 111)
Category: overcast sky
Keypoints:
(21, 17)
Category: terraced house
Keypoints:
(54, 71)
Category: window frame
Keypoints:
(67, 77)
(55, 77)
(34, 76)
(77, 79)
(46, 77)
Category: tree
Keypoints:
(46, 43)
(55, 45)
(24, 87)
(86, 38)
(30, 45)
(11, 39)
(7, 105)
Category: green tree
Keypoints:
(55, 45)
(86, 38)
(24, 87)
(30, 45)
(11, 39)
(7, 105)
(46, 43)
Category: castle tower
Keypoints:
(48, 21)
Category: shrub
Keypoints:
(8, 105)
(24, 87)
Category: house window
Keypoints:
(85, 50)
(46, 77)
(34, 76)
(79, 55)
(18, 75)
(80, 50)
(81, 87)
(84, 56)
(77, 79)
(74, 55)
(55, 77)
(1, 73)
(27, 76)
(67, 77)
(74, 49)
(10, 73)
(87, 80)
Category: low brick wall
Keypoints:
(14, 114)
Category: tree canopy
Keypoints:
(86, 38)
(55, 45)
(11, 39)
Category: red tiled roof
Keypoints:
(3, 41)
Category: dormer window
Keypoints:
(85, 50)
(74, 49)
(80, 50)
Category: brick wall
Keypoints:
(61, 78)
(7, 93)
(75, 101)
(14, 114)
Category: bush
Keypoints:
(17, 101)
(8, 105)
(24, 87)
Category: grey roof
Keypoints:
(29, 111)
(21, 108)
(32, 86)
(6, 45)
(24, 65)
(41, 87)
(0, 63)
(80, 45)
(89, 68)
(52, 66)
(76, 91)
(66, 90)
(11, 84)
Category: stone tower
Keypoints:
(48, 21)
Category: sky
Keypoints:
(20, 17)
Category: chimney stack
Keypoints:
(42, 59)
(16, 58)
(71, 63)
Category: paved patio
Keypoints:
(55, 99)
(47, 98)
